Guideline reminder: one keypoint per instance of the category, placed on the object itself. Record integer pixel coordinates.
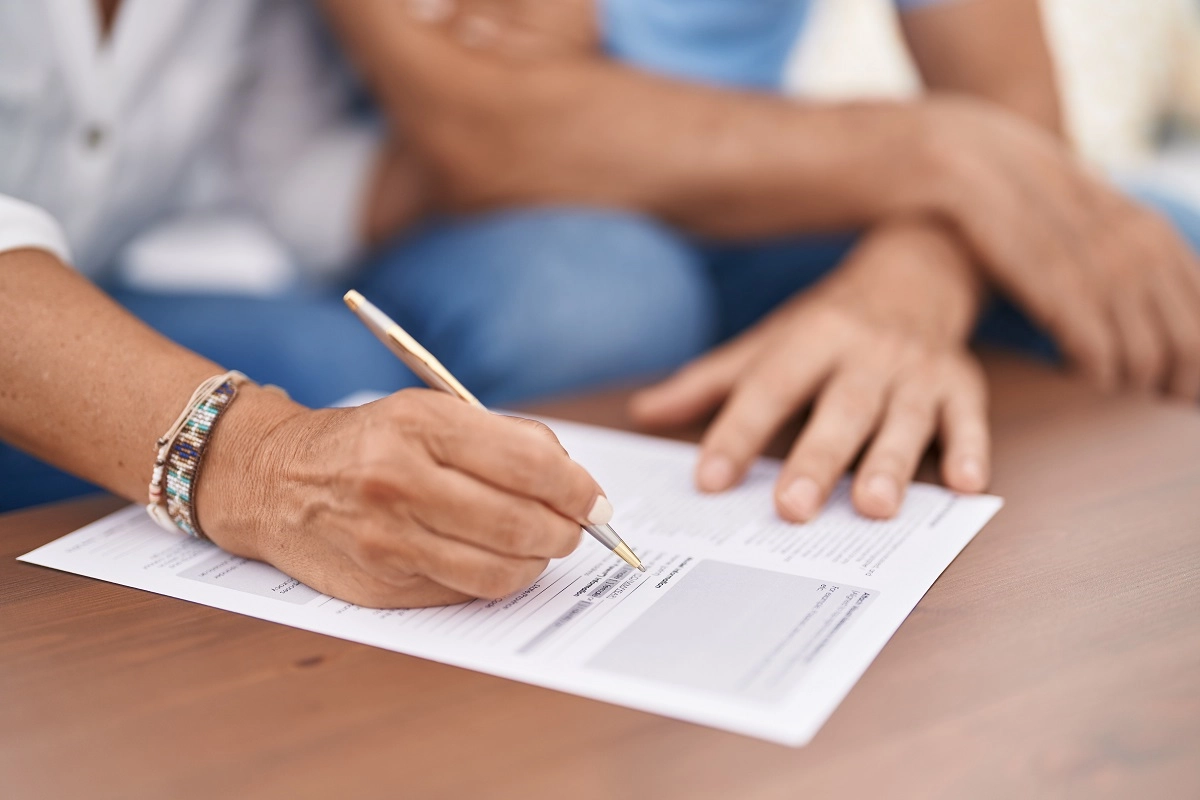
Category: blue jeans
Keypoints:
(518, 304)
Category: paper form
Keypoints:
(742, 621)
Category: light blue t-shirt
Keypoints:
(729, 42)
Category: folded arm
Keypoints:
(569, 125)
(576, 127)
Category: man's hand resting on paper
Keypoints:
(417, 499)
(879, 349)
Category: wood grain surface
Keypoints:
(1058, 656)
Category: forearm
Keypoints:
(89, 388)
(584, 129)
(994, 50)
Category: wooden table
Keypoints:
(1058, 656)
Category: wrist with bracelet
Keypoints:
(181, 454)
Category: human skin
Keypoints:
(522, 109)
(416, 499)
(879, 348)
(511, 101)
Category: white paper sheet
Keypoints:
(742, 622)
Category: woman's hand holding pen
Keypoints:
(416, 499)
(879, 349)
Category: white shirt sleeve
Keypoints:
(297, 157)
(26, 225)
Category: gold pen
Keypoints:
(430, 370)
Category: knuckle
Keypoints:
(966, 379)
(858, 405)
(968, 432)
(970, 439)
(763, 397)
(564, 539)
(909, 409)
(408, 404)
(521, 473)
(526, 428)
(367, 484)
(581, 493)
(935, 364)
(515, 531)
(543, 430)
(736, 425)
(923, 372)
(836, 324)
(829, 317)
(894, 347)
(862, 397)
(818, 462)
(534, 465)
(891, 461)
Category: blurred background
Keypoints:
(1129, 72)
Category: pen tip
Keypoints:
(622, 550)
(352, 299)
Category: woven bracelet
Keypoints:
(181, 454)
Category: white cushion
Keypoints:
(226, 253)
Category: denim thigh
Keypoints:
(531, 302)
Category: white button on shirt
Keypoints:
(189, 104)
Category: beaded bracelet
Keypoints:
(181, 453)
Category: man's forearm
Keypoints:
(994, 50)
(587, 130)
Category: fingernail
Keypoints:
(970, 469)
(802, 498)
(602, 511)
(884, 489)
(430, 10)
(715, 474)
